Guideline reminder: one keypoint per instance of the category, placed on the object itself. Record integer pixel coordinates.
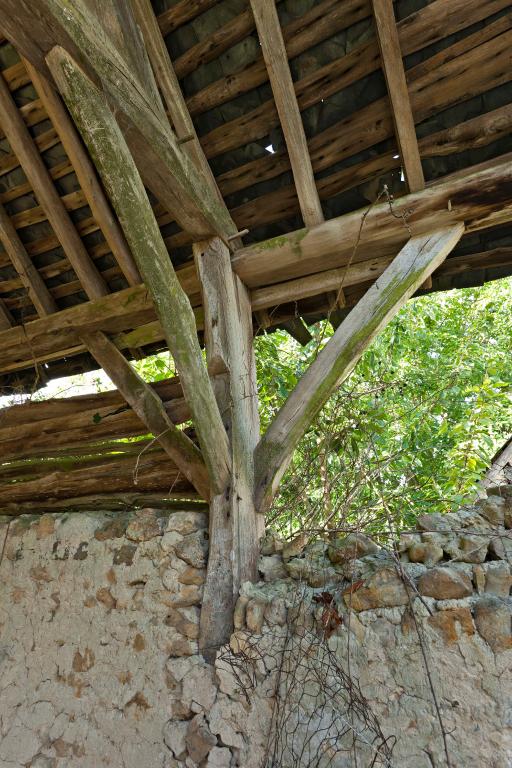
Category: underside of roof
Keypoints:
(458, 63)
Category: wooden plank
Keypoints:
(481, 196)
(103, 502)
(274, 54)
(86, 174)
(416, 261)
(35, 170)
(181, 13)
(129, 199)
(39, 294)
(234, 525)
(393, 67)
(149, 408)
(166, 168)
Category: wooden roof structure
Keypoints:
(184, 169)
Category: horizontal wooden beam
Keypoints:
(416, 261)
(480, 197)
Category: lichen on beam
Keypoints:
(124, 186)
(415, 262)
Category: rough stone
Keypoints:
(175, 732)
(199, 739)
(498, 579)
(145, 525)
(493, 619)
(430, 554)
(350, 547)
(194, 549)
(219, 757)
(295, 546)
(254, 615)
(451, 624)
(384, 588)
(271, 544)
(445, 583)
(184, 523)
(501, 546)
(272, 567)
(492, 508)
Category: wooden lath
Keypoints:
(392, 65)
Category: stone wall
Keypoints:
(343, 648)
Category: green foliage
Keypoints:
(414, 426)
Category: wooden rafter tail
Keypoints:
(166, 168)
(392, 64)
(125, 188)
(276, 60)
(149, 408)
(39, 294)
(23, 146)
(416, 261)
(85, 173)
(234, 525)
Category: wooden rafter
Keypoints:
(166, 168)
(39, 294)
(416, 260)
(393, 67)
(171, 91)
(149, 408)
(24, 147)
(274, 53)
(6, 319)
(124, 186)
(86, 174)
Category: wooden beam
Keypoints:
(124, 186)
(298, 330)
(85, 173)
(417, 259)
(149, 408)
(276, 60)
(36, 172)
(39, 294)
(480, 196)
(171, 91)
(166, 168)
(234, 525)
(393, 67)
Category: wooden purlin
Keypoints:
(274, 54)
(392, 65)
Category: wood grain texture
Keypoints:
(124, 186)
(274, 54)
(86, 174)
(145, 402)
(415, 262)
(234, 525)
(39, 294)
(23, 146)
(392, 65)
